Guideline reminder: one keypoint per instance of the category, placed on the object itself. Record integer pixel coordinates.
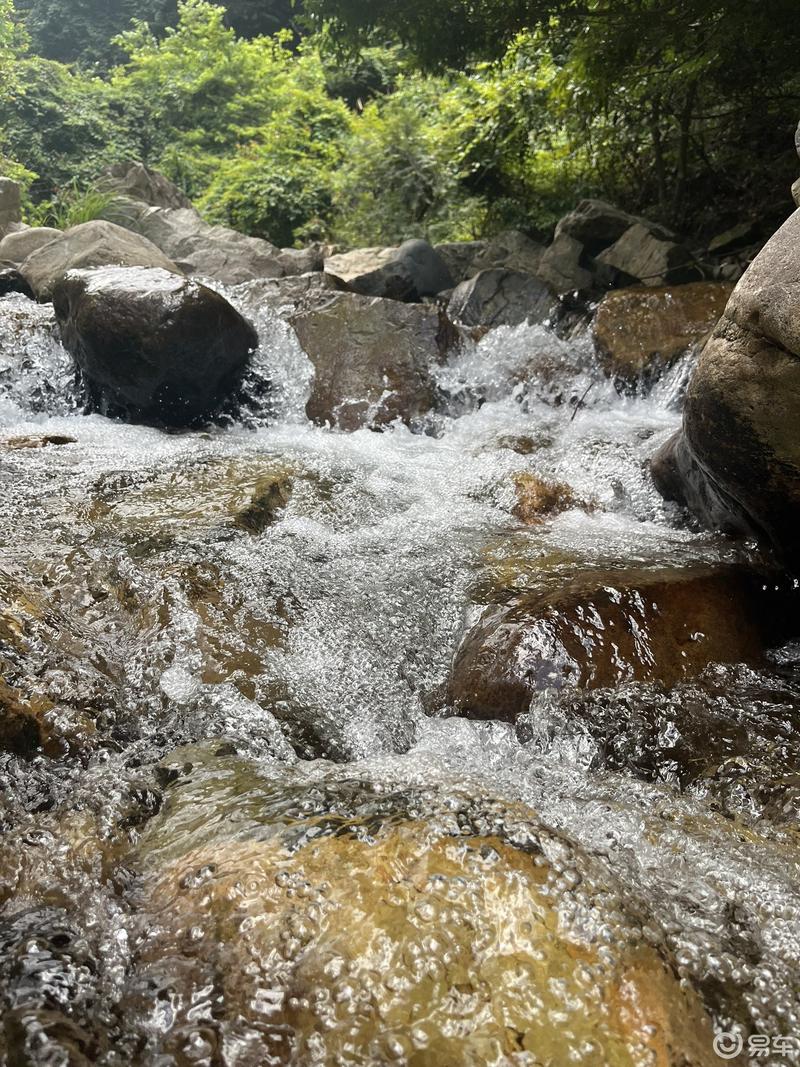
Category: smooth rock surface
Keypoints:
(639, 331)
(16, 247)
(561, 266)
(372, 359)
(152, 346)
(650, 258)
(92, 244)
(737, 464)
(408, 273)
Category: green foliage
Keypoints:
(76, 204)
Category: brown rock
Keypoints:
(639, 331)
(538, 499)
(604, 630)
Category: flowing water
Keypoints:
(219, 703)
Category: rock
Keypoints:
(11, 281)
(92, 244)
(287, 295)
(736, 464)
(561, 266)
(733, 239)
(15, 444)
(512, 250)
(372, 359)
(645, 256)
(459, 256)
(538, 499)
(595, 225)
(602, 630)
(296, 261)
(16, 247)
(138, 182)
(796, 192)
(439, 936)
(10, 205)
(150, 344)
(501, 298)
(640, 331)
(270, 496)
(408, 273)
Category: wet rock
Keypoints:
(409, 273)
(10, 205)
(14, 444)
(152, 345)
(138, 182)
(647, 256)
(11, 281)
(374, 929)
(562, 268)
(16, 247)
(640, 331)
(501, 298)
(372, 359)
(287, 295)
(538, 499)
(270, 496)
(736, 465)
(92, 244)
(603, 631)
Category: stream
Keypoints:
(232, 716)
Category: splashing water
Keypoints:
(201, 684)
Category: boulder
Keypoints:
(796, 192)
(640, 331)
(561, 266)
(605, 629)
(736, 463)
(644, 255)
(138, 182)
(512, 250)
(10, 205)
(92, 244)
(287, 295)
(11, 281)
(734, 239)
(459, 256)
(372, 359)
(501, 298)
(151, 345)
(409, 273)
(595, 225)
(16, 247)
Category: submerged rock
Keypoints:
(410, 272)
(501, 298)
(640, 331)
(152, 345)
(736, 462)
(598, 632)
(92, 244)
(372, 359)
(538, 499)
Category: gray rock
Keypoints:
(459, 256)
(16, 247)
(796, 192)
(136, 181)
(10, 205)
(643, 256)
(372, 359)
(501, 298)
(736, 463)
(92, 244)
(512, 250)
(410, 272)
(733, 239)
(286, 295)
(152, 346)
(561, 266)
(595, 224)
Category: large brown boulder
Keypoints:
(92, 244)
(372, 359)
(150, 345)
(736, 463)
(603, 630)
(639, 331)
